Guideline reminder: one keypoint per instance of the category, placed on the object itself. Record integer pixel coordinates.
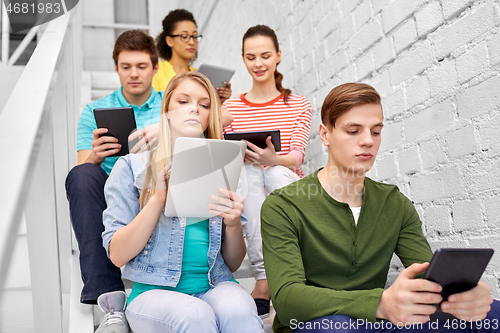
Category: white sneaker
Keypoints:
(113, 305)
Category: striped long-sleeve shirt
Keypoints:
(292, 119)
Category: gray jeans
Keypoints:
(254, 181)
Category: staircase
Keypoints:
(17, 295)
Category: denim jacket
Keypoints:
(160, 262)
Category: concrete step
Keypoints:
(81, 316)
(16, 305)
(104, 80)
(102, 84)
(96, 94)
(16, 311)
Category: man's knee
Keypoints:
(228, 295)
(85, 175)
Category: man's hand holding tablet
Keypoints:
(458, 272)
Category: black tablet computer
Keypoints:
(257, 138)
(120, 123)
(456, 270)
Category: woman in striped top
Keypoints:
(267, 106)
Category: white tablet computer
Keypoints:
(199, 168)
(217, 75)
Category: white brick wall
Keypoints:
(436, 64)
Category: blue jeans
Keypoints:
(344, 324)
(227, 308)
(85, 193)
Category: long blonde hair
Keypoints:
(162, 155)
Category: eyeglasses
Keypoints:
(185, 37)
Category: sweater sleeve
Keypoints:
(300, 132)
(294, 297)
(412, 246)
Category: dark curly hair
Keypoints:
(169, 23)
(264, 30)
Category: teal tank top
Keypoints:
(194, 275)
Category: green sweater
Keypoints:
(319, 263)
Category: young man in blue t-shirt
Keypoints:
(136, 61)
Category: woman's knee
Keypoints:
(170, 309)
(233, 305)
(279, 176)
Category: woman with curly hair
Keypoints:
(178, 45)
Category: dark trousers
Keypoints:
(85, 193)
(344, 324)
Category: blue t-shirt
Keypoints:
(147, 114)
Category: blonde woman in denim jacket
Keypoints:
(181, 266)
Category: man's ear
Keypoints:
(323, 134)
(116, 68)
(155, 69)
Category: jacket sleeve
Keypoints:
(293, 297)
(122, 199)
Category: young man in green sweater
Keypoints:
(328, 238)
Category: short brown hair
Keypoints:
(135, 40)
(344, 97)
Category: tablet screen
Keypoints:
(199, 168)
(456, 270)
(217, 75)
(258, 138)
(120, 123)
